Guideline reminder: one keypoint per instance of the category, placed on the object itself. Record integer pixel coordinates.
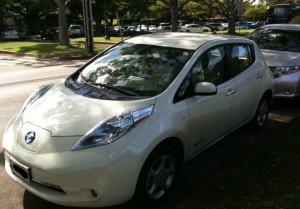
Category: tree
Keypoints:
(255, 12)
(229, 9)
(2, 13)
(29, 10)
(194, 11)
(62, 20)
(174, 8)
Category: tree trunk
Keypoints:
(62, 20)
(174, 15)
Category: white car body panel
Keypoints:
(63, 117)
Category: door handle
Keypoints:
(259, 76)
(230, 92)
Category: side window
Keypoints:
(211, 66)
(241, 57)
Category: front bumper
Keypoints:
(95, 177)
(287, 86)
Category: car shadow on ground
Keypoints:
(203, 168)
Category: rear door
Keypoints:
(248, 75)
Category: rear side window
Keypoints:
(241, 57)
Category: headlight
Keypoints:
(280, 71)
(34, 96)
(113, 128)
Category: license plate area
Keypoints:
(20, 170)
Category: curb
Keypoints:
(64, 58)
(95, 42)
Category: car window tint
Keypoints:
(241, 59)
(284, 40)
(144, 69)
(210, 66)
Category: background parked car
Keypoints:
(15, 33)
(50, 33)
(243, 25)
(76, 30)
(164, 29)
(280, 45)
(152, 28)
(216, 26)
(162, 25)
(194, 28)
(132, 31)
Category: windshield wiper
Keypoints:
(114, 88)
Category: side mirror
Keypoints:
(205, 88)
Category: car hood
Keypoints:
(281, 58)
(64, 113)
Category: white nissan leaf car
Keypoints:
(121, 126)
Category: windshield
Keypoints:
(143, 70)
(283, 40)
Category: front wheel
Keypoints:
(261, 115)
(158, 175)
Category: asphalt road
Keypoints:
(193, 176)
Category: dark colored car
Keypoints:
(215, 26)
(50, 33)
(134, 32)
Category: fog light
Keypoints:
(94, 193)
(289, 91)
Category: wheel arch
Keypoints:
(175, 143)
(268, 94)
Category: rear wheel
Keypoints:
(158, 175)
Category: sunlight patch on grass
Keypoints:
(43, 48)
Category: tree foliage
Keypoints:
(255, 12)
(29, 10)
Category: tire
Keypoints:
(260, 118)
(205, 31)
(187, 31)
(157, 176)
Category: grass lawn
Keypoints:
(49, 48)
(76, 47)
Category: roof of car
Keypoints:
(283, 26)
(190, 41)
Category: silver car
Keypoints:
(122, 125)
(194, 28)
(280, 45)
